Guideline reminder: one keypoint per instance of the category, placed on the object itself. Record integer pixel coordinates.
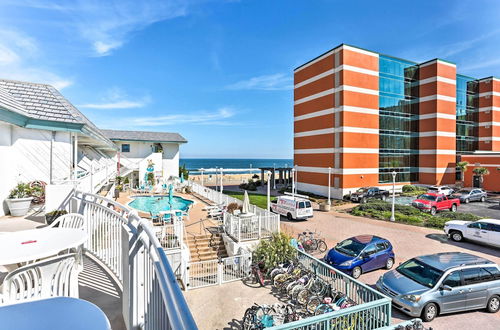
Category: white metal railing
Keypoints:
(215, 272)
(128, 246)
(262, 224)
(170, 236)
(244, 228)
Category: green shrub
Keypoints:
(458, 216)
(22, 190)
(409, 188)
(274, 251)
(436, 222)
(410, 219)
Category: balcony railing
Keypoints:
(129, 247)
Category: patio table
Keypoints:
(28, 245)
(59, 313)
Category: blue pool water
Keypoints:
(155, 204)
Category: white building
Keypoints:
(138, 150)
(43, 137)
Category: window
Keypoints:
(494, 227)
(370, 249)
(125, 147)
(381, 246)
(302, 205)
(308, 204)
(471, 276)
(453, 279)
(490, 274)
(478, 225)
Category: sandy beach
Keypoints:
(228, 179)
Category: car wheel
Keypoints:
(493, 304)
(384, 197)
(467, 201)
(433, 211)
(453, 208)
(356, 272)
(483, 199)
(289, 216)
(429, 312)
(363, 200)
(456, 236)
(389, 263)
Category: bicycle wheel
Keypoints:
(322, 247)
(303, 296)
(248, 322)
(312, 304)
(278, 279)
(314, 244)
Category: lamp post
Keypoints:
(393, 194)
(221, 178)
(268, 190)
(201, 170)
(297, 178)
(293, 182)
(329, 185)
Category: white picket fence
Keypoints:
(215, 272)
(262, 224)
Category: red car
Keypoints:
(432, 203)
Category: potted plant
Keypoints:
(19, 200)
(53, 215)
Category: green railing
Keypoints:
(372, 309)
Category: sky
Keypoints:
(221, 72)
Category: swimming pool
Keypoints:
(155, 204)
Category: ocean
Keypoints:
(232, 166)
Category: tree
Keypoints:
(184, 171)
(481, 172)
(462, 166)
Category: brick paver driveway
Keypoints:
(408, 241)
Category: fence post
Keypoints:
(260, 223)
(220, 266)
(239, 229)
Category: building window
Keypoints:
(125, 147)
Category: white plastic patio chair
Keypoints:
(71, 220)
(53, 277)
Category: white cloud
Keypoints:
(116, 98)
(18, 60)
(278, 81)
(216, 118)
(107, 25)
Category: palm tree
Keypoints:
(462, 166)
(481, 172)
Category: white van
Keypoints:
(296, 207)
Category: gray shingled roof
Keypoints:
(38, 101)
(143, 136)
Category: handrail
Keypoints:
(153, 297)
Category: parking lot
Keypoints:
(488, 209)
(222, 307)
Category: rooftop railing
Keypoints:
(128, 246)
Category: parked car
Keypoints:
(445, 190)
(293, 207)
(443, 283)
(362, 194)
(432, 203)
(361, 254)
(485, 231)
(467, 195)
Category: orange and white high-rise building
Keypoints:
(359, 116)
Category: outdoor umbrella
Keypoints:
(246, 204)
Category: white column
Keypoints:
(202, 177)
(293, 182)
(51, 162)
(221, 178)
(75, 155)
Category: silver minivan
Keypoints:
(442, 283)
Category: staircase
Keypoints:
(206, 247)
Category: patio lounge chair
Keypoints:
(70, 220)
(53, 277)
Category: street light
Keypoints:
(329, 184)
(274, 175)
(268, 190)
(393, 194)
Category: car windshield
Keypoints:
(433, 189)
(427, 197)
(361, 190)
(308, 204)
(420, 272)
(463, 191)
(350, 247)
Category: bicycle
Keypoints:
(258, 317)
(257, 273)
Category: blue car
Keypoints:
(361, 254)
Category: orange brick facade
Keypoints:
(336, 121)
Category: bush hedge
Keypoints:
(411, 190)
(378, 209)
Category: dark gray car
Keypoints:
(467, 195)
(443, 283)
